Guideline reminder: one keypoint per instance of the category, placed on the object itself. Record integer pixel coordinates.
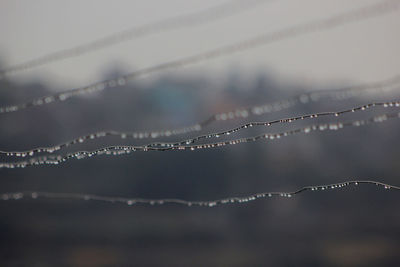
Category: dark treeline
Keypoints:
(354, 226)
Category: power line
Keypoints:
(208, 203)
(352, 16)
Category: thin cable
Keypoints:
(121, 150)
(124, 135)
(314, 96)
(207, 15)
(209, 203)
(367, 12)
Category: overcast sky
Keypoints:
(362, 51)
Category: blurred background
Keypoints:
(356, 226)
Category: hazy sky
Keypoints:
(362, 51)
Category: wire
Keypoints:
(121, 150)
(124, 135)
(207, 15)
(352, 16)
(209, 203)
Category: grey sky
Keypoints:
(362, 51)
